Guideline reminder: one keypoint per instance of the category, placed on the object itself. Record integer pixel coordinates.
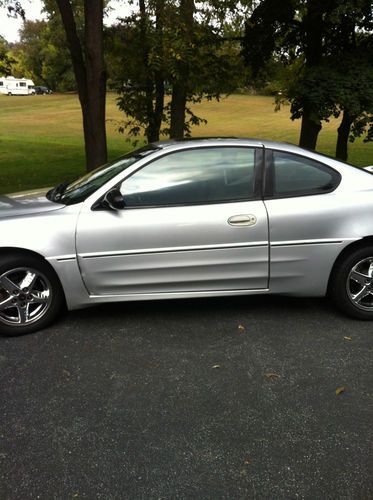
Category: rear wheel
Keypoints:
(30, 295)
(352, 284)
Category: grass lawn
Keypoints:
(41, 140)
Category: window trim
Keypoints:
(257, 182)
(269, 177)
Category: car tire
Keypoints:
(10, 94)
(351, 286)
(31, 296)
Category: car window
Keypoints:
(193, 176)
(296, 175)
(77, 191)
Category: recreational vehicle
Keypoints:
(16, 86)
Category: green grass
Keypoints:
(41, 140)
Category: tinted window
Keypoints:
(295, 175)
(204, 175)
(22, 84)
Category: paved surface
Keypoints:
(193, 399)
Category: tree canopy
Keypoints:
(169, 55)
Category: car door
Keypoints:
(194, 221)
(306, 226)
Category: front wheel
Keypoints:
(352, 284)
(30, 295)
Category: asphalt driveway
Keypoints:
(218, 398)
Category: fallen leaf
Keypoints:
(241, 327)
(216, 366)
(66, 373)
(247, 461)
(340, 390)
(272, 376)
(347, 338)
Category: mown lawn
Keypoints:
(41, 141)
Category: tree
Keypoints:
(316, 35)
(88, 64)
(182, 67)
(205, 62)
(351, 52)
(150, 57)
(42, 55)
(135, 56)
(285, 28)
(6, 61)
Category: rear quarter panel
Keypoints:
(308, 233)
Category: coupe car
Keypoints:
(194, 218)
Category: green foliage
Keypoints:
(213, 63)
(326, 51)
(43, 56)
(130, 74)
(6, 60)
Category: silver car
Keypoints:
(196, 218)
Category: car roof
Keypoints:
(228, 141)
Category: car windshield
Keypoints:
(78, 190)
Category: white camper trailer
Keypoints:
(16, 86)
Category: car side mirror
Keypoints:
(114, 199)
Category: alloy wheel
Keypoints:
(25, 296)
(360, 284)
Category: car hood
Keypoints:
(25, 203)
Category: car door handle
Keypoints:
(242, 220)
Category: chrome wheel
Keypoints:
(360, 284)
(25, 296)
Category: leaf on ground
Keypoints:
(347, 338)
(66, 373)
(340, 390)
(272, 376)
(241, 328)
(216, 366)
(248, 461)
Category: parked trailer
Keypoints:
(16, 86)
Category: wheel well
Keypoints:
(21, 251)
(367, 240)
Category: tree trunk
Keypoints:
(159, 77)
(95, 136)
(312, 24)
(178, 105)
(180, 85)
(309, 130)
(149, 131)
(154, 84)
(159, 105)
(343, 135)
(90, 76)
